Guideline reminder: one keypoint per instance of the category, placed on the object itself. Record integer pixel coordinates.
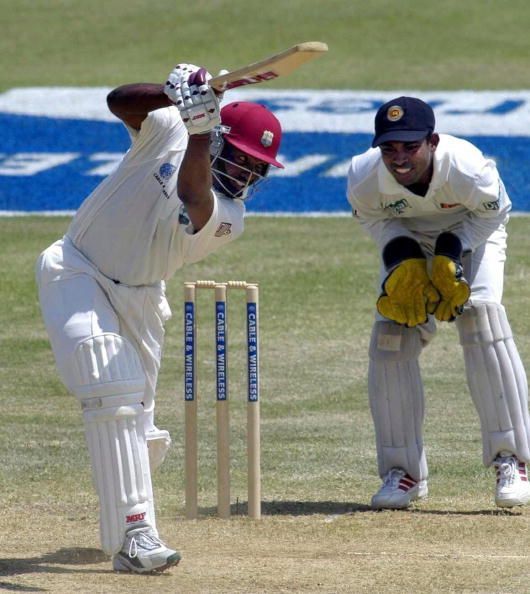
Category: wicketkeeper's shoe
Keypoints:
(513, 487)
(144, 552)
(399, 489)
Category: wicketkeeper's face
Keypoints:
(410, 162)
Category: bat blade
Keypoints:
(270, 68)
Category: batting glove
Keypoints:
(408, 294)
(447, 277)
(187, 87)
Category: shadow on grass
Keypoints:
(293, 508)
(58, 562)
(472, 512)
(307, 508)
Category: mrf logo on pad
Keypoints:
(133, 518)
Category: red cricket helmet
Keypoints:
(253, 129)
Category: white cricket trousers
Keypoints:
(78, 301)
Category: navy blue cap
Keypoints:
(404, 119)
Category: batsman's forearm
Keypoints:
(194, 184)
(131, 103)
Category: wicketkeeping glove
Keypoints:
(408, 294)
(187, 87)
(447, 277)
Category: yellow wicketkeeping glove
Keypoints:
(408, 294)
(447, 277)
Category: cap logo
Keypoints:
(395, 113)
(267, 138)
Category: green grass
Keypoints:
(411, 44)
(317, 279)
(317, 290)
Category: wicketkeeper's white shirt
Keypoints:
(133, 227)
(466, 196)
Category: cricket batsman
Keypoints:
(177, 196)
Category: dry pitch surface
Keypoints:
(326, 547)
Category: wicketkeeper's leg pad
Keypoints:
(497, 380)
(395, 390)
(110, 386)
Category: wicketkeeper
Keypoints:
(437, 209)
(177, 196)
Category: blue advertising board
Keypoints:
(57, 144)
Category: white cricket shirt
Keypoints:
(466, 196)
(133, 227)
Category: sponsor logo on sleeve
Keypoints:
(494, 205)
(223, 229)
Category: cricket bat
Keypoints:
(270, 68)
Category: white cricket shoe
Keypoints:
(399, 489)
(513, 487)
(144, 552)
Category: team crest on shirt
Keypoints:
(398, 207)
(167, 170)
(223, 229)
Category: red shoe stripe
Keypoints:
(406, 483)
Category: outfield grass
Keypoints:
(318, 457)
(410, 44)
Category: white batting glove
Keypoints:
(187, 87)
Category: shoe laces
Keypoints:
(146, 540)
(133, 548)
(393, 477)
(506, 470)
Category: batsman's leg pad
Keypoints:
(110, 385)
(395, 390)
(496, 379)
